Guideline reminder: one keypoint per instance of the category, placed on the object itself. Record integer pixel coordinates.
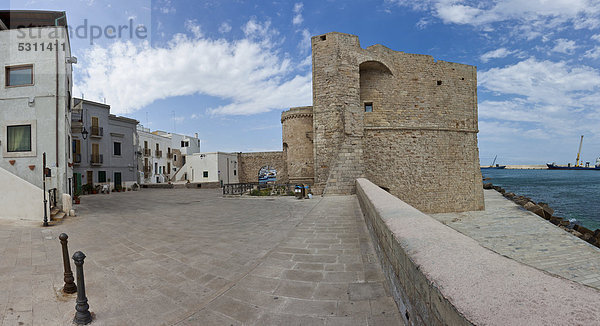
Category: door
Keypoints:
(90, 177)
(77, 178)
(118, 180)
(95, 153)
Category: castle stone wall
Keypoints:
(251, 163)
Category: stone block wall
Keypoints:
(439, 276)
(297, 132)
(251, 163)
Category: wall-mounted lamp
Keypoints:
(72, 60)
(31, 101)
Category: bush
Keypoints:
(263, 192)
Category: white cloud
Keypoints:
(593, 53)
(305, 45)
(495, 54)
(248, 73)
(554, 96)
(298, 19)
(536, 15)
(596, 37)
(192, 26)
(224, 28)
(166, 7)
(564, 46)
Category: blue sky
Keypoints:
(227, 69)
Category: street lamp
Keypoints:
(84, 133)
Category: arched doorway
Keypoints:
(267, 174)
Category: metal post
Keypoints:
(44, 182)
(70, 286)
(83, 315)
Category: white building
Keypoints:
(215, 169)
(35, 109)
(181, 147)
(155, 156)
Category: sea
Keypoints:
(574, 195)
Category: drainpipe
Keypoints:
(56, 130)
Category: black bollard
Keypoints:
(83, 315)
(70, 286)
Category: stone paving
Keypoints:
(191, 257)
(510, 230)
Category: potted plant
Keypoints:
(76, 196)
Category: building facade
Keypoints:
(214, 169)
(105, 153)
(155, 157)
(181, 147)
(35, 109)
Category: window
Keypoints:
(205, 174)
(234, 172)
(439, 82)
(101, 176)
(174, 158)
(117, 148)
(185, 143)
(19, 75)
(368, 106)
(18, 138)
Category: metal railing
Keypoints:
(96, 131)
(158, 153)
(237, 188)
(169, 155)
(76, 158)
(147, 152)
(96, 159)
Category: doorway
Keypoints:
(118, 180)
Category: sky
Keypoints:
(227, 69)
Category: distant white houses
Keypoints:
(35, 111)
(216, 168)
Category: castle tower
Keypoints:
(405, 121)
(297, 132)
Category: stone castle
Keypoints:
(404, 121)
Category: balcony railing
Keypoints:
(96, 159)
(147, 152)
(169, 155)
(76, 158)
(96, 132)
(147, 169)
(158, 153)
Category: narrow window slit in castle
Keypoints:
(368, 106)
(323, 37)
(439, 82)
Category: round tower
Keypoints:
(297, 134)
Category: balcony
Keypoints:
(169, 155)
(96, 159)
(96, 132)
(158, 153)
(147, 152)
(76, 158)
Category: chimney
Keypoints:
(196, 135)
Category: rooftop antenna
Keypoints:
(147, 119)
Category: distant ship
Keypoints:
(578, 165)
(494, 165)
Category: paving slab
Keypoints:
(510, 230)
(192, 257)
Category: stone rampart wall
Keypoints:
(251, 163)
(442, 277)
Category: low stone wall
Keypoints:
(19, 199)
(251, 163)
(439, 276)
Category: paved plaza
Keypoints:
(509, 230)
(192, 257)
